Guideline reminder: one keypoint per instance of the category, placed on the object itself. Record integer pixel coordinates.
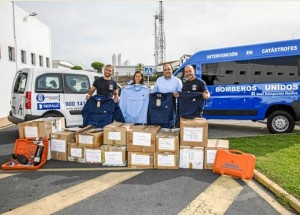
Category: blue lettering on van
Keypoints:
(48, 106)
(40, 97)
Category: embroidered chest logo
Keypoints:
(194, 87)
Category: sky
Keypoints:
(87, 31)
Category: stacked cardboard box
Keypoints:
(75, 153)
(116, 133)
(193, 139)
(42, 127)
(64, 142)
(59, 143)
(211, 151)
(113, 155)
(147, 146)
(167, 149)
(191, 157)
(91, 140)
(114, 148)
(141, 146)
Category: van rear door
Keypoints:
(18, 99)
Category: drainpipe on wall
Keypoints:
(15, 37)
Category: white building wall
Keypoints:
(60, 64)
(31, 36)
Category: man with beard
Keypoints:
(105, 85)
(193, 84)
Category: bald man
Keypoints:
(194, 84)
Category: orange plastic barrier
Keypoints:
(234, 163)
(27, 148)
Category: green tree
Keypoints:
(139, 67)
(77, 68)
(97, 66)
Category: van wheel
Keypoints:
(280, 122)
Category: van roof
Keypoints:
(55, 70)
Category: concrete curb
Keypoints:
(295, 203)
(4, 122)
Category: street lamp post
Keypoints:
(32, 14)
(14, 31)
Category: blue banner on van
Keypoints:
(48, 106)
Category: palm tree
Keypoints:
(139, 67)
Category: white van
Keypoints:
(40, 92)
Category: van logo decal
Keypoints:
(48, 106)
(40, 97)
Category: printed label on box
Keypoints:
(56, 126)
(75, 152)
(86, 139)
(31, 131)
(192, 134)
(140, 159)
(184, 160)
(166, 143)
(197, 159)
(211, 156)
(165, 160)
(113, 158)
(58, 145)
(114, 135)
(93, 155)
(141, 139)
(193, 156)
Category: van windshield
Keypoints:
(20, 83)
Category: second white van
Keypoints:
(40, 92)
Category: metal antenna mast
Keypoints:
(160, 38)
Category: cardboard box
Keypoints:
(42, 127)
(59, 141)
(166, 160)
(93, 155)
(191, 157)
(211, 150)
(193, 132)
(49, 150)
(75, 153)
(115, 133)
(167, 140)
(90, 138)
(142, 138)
(113, 155)
(142, 160)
